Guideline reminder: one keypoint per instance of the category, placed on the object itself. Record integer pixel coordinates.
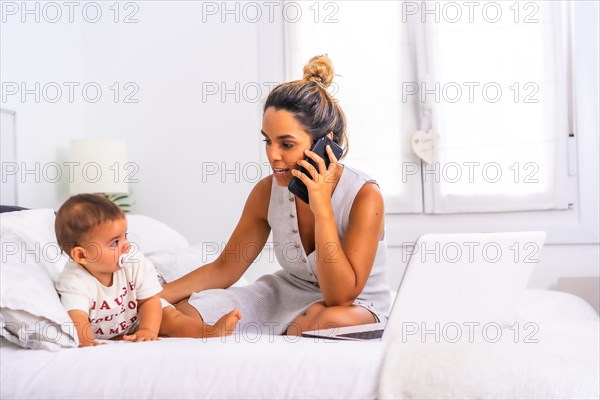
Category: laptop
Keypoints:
(462, 278)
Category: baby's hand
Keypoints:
(94, 343)
(141, 335)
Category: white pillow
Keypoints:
(35, 240)
(173, 264)
(31, 314)
(554, 305)
(38, 244)
(152, 236)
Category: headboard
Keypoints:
(8, 156)
(4, 209)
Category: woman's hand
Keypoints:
(320, 184)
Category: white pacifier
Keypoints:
(124, 259)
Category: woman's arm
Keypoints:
(343, 267)
(244, 245)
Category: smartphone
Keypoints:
(296, 186)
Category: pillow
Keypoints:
(554, 305)
(4, 209)
(152, 236)
(38, 244)
(31, 314)
(34, 332)
(173, 264)
(35, 240)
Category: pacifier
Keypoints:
(124, 259)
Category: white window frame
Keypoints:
(580, 223)
(577, 225)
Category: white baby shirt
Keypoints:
(111, 310)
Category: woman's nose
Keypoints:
(273, 153)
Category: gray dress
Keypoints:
(269, 305)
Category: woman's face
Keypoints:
(285, 142)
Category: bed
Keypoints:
(552, 353)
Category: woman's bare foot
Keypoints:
(226, 324)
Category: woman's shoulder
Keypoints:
(358, 175)
(370, 193)
(259, 198)
(262, 188)
(354, 181)
(367, 192)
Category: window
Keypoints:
(497, 94)
(372, 56)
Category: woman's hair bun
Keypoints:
(319, 69)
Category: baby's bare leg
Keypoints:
(185, 307)
(176, 324)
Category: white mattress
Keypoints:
(232, 368)
(279, 367)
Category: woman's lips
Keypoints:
(280, 171)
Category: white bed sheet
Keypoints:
(556, 357)
(279, 367)
(269, 367)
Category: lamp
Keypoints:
(99, 167)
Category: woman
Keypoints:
(331, 250)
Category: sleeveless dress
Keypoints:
(271, 303)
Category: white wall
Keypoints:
(172, 132)
(169, 55)
(35, 52)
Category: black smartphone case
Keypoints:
(296, 186)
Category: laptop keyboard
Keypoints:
(367, 335)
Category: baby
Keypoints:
(109, 295)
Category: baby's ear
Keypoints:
(78, 255)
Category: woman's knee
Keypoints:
(339, 316)
(314, 309)
(318, 316)
(302, 322)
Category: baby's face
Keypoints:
(104, 245)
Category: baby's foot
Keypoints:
(226, 324)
